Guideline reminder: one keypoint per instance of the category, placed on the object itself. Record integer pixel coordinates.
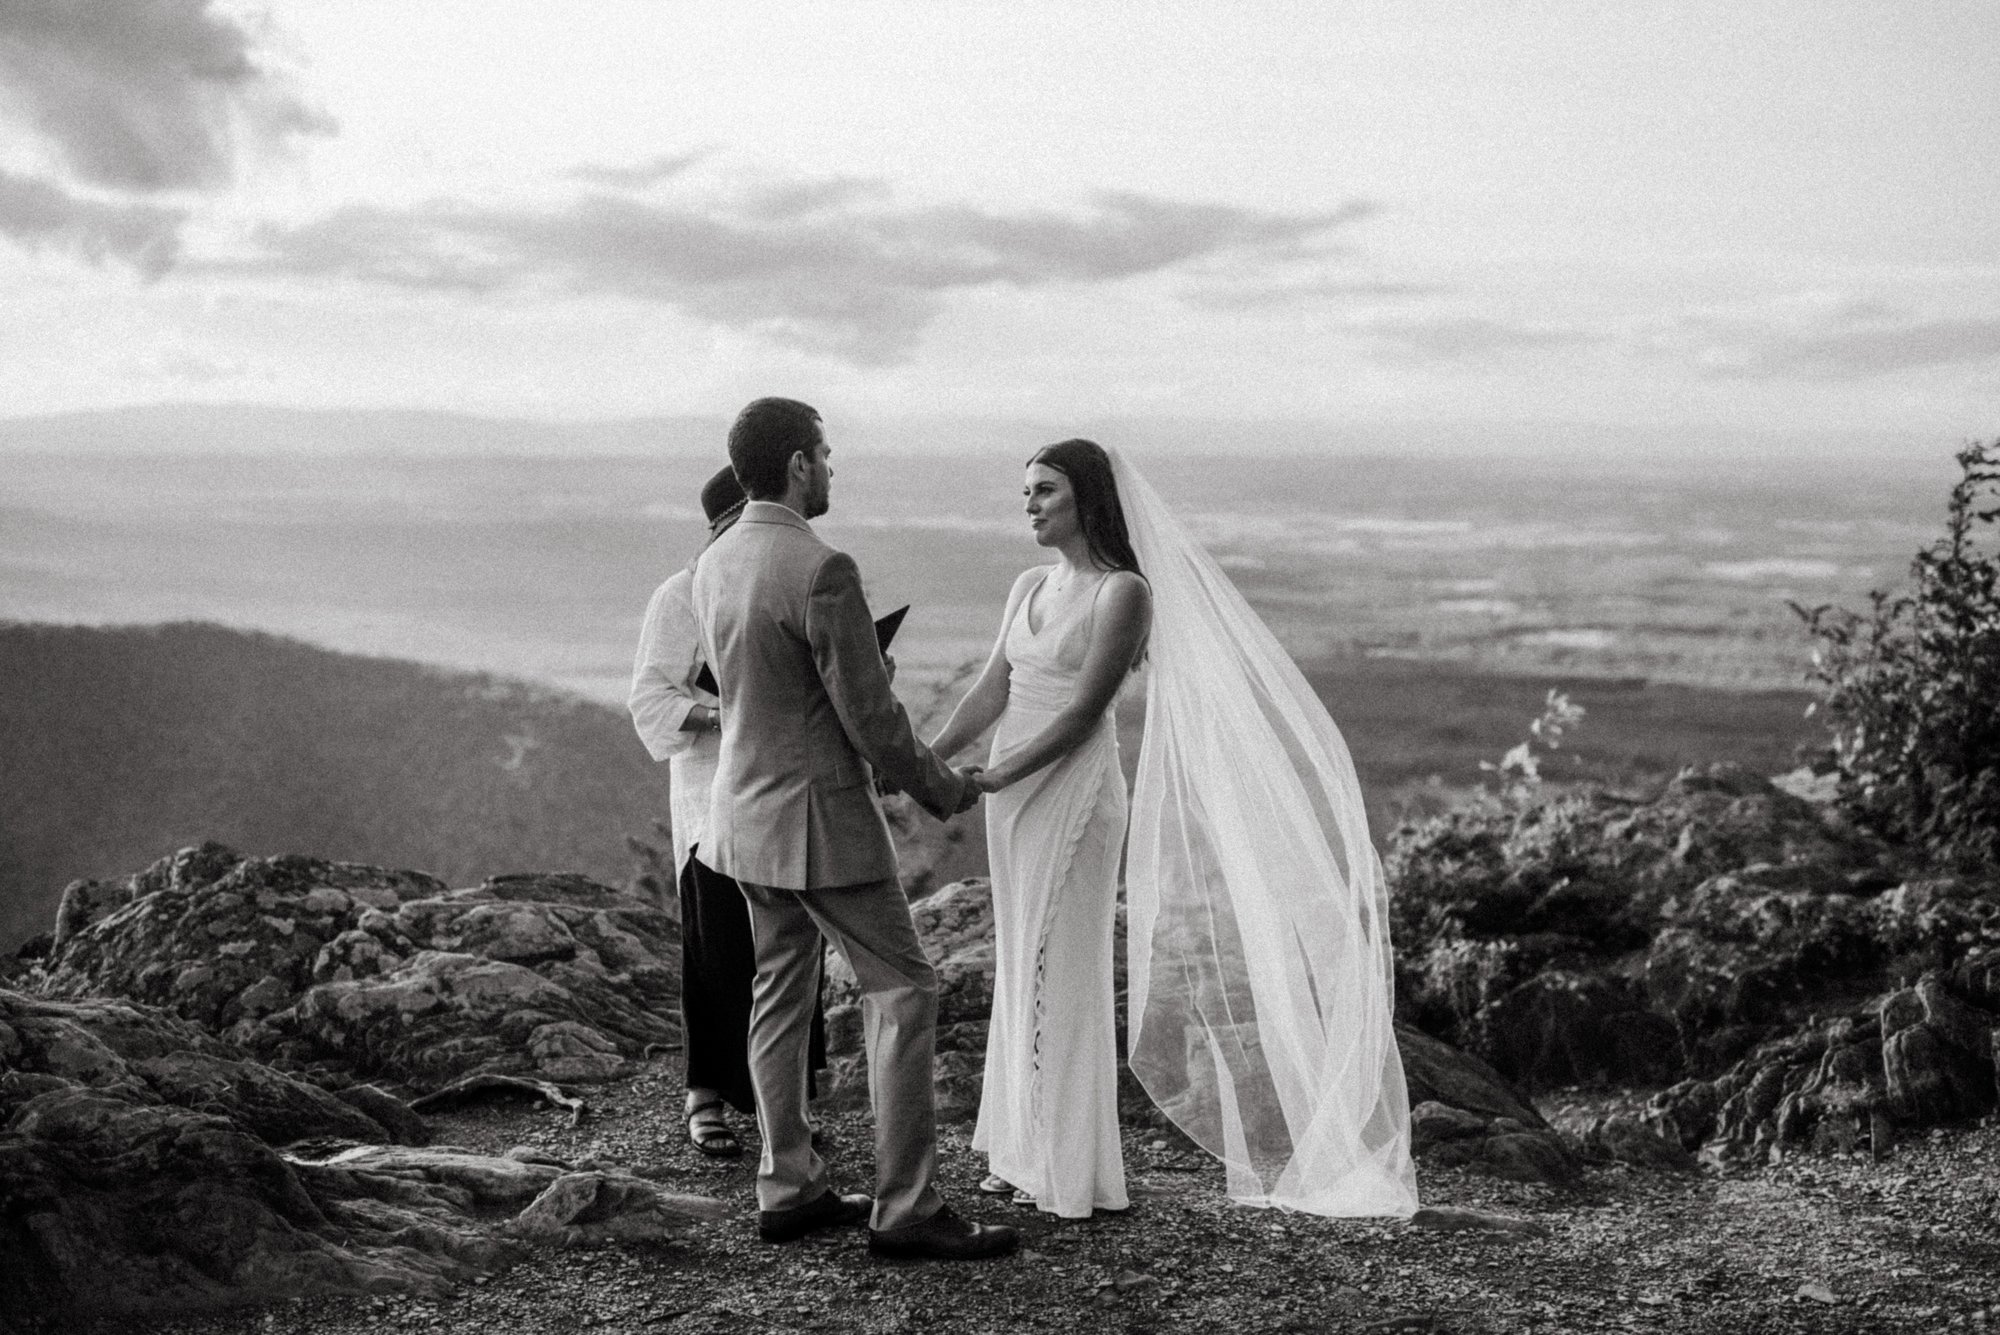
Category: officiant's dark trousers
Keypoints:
(870, 925)
(718, 972)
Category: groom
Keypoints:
(806, 711)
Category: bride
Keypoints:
(1259, 972)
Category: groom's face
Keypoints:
(819, 479)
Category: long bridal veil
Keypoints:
(1261, 983)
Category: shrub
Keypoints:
(1911, 689)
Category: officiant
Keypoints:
(678, 719)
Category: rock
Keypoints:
(1752, 946)
(1916, 1057)
(148, 1059)
(1451, 1219)
(1434, 1123)
(1567, 1028)
(1627, 1138)
(471, 1181)
(1937, 1054)
(369, 972)
(956, 927)
(844, 1034)
(1524, 1156)
(1930, 1080)
(119, 1207)
(1977, 977)
(1464, 1114)
(1816, 1292)
(487, 1085)
(404, 1125)
(1592, 937)
(594, 1207)
(149, 1167)
(1436, 1072)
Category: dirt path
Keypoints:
(1833, 1245)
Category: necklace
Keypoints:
(1056, 585)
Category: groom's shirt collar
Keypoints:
(773, 512)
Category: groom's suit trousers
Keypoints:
(870, 925)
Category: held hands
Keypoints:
(971, 774)
(989, 781)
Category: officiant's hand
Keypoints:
(889, 665)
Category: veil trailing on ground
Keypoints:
(1261, 983)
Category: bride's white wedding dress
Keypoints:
(1261, 992)
(1048, 1112)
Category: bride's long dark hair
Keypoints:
(1088, 469)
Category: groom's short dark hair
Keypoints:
(766, 435)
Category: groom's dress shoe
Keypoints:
(831, 1210)
(944, 1237)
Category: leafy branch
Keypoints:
(1910, 689)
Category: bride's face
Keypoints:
(1051, 506)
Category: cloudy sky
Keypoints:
(1766, 214)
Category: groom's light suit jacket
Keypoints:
(806, 710)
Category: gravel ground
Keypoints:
(1835, 1245)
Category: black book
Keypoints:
(885, 631)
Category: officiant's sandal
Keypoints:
(995, 1185)
(711, 1135)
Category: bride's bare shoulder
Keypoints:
(1128, 585)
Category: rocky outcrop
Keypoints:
(146, 1166)
(1463, 1112)
(356, 972)
(1915, 1057)
(1592, 938)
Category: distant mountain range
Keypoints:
(119, 745)
(246, 428)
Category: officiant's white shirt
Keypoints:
(663, 691)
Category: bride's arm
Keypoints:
(980, 707)
(1124, 615)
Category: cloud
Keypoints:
(833, 265)
(1815, 336)
(131, 99)
(1464, 338)
(36, 214)
(1852, 353)
(796, 199)
(639, 177)
(142, 95)
(1304, 292)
